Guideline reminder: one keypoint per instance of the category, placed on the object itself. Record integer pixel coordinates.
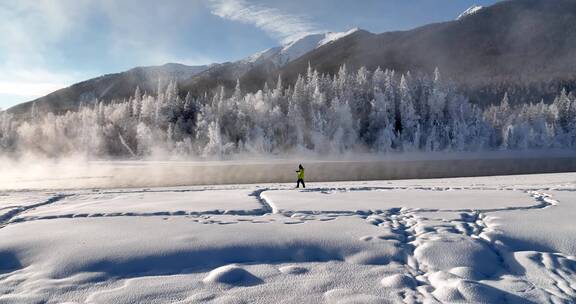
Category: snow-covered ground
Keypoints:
(503, 239)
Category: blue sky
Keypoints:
(50, 44)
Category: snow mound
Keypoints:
(293, 270)
(398, 281)
(232, 275)
(470, 11)
(467, 273)
(464, 252)
(468, 292)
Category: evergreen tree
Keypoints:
(377, 111)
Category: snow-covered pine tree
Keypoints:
(378, 111)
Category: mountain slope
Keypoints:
(264, 66)
(255, 69)
(111, 86)
(518, 40)
(291, 51)
(525, 42)
(515, 46)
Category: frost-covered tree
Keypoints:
(214, 147)
(409, 119)
(379, 111)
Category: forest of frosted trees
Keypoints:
(353, 111)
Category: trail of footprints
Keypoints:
(17, 215)
(408, 229)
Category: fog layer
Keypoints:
(71, 173)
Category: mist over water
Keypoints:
(78, 173)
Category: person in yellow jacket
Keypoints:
(300, 177)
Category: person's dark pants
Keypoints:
(298, 183)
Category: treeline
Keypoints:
(361, 111)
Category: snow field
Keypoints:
(367, 199)
(160, 202)
(468, 240)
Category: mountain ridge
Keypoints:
(146, 78)
(513, 41)
(110, 86)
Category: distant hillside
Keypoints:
(517, 42)
(526, 47)
(112, 86)
(195, 79)
(261, 67)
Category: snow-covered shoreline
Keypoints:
(457, 240)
